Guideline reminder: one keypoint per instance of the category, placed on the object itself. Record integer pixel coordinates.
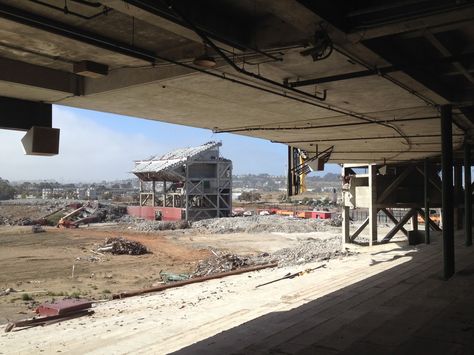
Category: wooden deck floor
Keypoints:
(407, 309)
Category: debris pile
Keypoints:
(54, 212)
(57, 311)
(260, 224)
(222, 262)
(153, 226)
(120, 245)
(310, 250)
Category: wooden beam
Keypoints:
(394, 220)
(359, 230)
(433, 225)
(430, 180)
(399, 225)
(398, 180)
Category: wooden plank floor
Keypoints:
(407, 309)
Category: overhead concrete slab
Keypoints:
(349, 101)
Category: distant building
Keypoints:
(46, 194)
(195, 182)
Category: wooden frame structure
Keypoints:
(380, 188)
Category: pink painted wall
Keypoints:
(148, 212)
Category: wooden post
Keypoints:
(467, 195)
(346, 225)
(448, 191)
(458, 195)
(426, 172)
(372, 205)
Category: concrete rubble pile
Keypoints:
(310, 250)
(153, 226)
(258, 224)
(120, 245)
(48, 212)
(26, 212)
(222, 262)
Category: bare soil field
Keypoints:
(39, 265)
(64, 263)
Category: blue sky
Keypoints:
(98, 146)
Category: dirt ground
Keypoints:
(39, 266)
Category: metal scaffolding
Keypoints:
(197, 180)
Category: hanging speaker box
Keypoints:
(41, 141)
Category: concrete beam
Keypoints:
(130, 77)
(21, 115)
(34, 75)
(455, 16)
(153, 13)
(445, 52)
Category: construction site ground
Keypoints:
(352, 305)
(59, 263)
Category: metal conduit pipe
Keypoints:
(269, 81)
(88, 3)
(335, 125)
(208, 41)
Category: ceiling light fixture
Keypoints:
(205, 60)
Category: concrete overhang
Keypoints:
(373, 99)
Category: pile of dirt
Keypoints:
(261, 224)
(120, 245)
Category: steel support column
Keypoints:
(426, 172)
(467, 195)
(448, 191)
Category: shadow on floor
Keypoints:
(407, 309)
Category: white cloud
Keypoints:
(88, 151)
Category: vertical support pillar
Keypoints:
(414, 222)
(141, 190)
(447, 190)
(164, 193)
(372, 205)
(153, 193)
(467, 195)
(290, 184)
(186, 193)
(219, 190)
(458, 195)
(346, 234)
(346, 224)
(426, 174)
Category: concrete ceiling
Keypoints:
(390, 68)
